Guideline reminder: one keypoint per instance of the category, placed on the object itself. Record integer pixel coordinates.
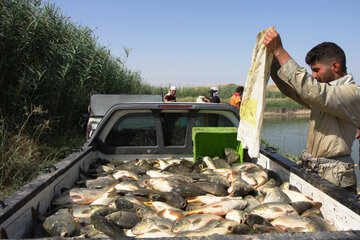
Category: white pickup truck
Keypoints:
(143, 129)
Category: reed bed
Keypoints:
(274, 99)
(49, 66)
(282, 103)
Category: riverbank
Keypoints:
(293, 112)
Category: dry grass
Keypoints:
(23, 155)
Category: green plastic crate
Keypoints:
(211, 141)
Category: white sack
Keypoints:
(200, 99)
(253, 103)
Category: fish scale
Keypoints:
(165, 196)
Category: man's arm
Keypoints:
(273, 42)
(340, 101)
(285, 87)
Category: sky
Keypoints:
(210, 42)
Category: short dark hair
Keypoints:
(239, 89)
(328, 52)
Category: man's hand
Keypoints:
(273, 42)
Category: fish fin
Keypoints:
(191, 199)
(112, 194)
(77, 226)
(289, 211)
(307, 197)
(295, 229)
(4, 234)
(283, 227)
(86, 211)
(317, 204)
(148, 203)
(217, 206)
(75, 197)
(162, 212)
(193, 212)
(300, 229)
(198, 220)
(178, 214)
(36, 214)
(278, 209)
(163, 227)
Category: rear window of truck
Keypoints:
(135, 129)
(212, 120)
(174, 126)
(141, 128)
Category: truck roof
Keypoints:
(100, 103)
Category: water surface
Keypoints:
(289, 135)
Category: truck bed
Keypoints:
(339, 206)
(18, 212)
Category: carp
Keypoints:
(220, 208)
(194, 222)
(275, 195)
(124, 219)
(239, 188)
(148, 224)
(295, 223)
(231, 155)
(273, 210)
(238, 216)
(60, 224)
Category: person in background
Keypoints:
(333, 97)
(170, 96)
(215, 98)
(235, 99)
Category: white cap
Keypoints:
(173, 88)
(214, 89)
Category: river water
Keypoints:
(289, 135)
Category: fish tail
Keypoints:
(317, 204)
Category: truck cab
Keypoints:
(155, 127)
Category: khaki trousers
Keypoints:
(339, 170)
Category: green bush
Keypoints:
(274, 94)
(281, 103)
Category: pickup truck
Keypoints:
(141, 130)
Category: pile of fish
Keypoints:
(152, 198)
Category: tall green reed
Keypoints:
(46, 60)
